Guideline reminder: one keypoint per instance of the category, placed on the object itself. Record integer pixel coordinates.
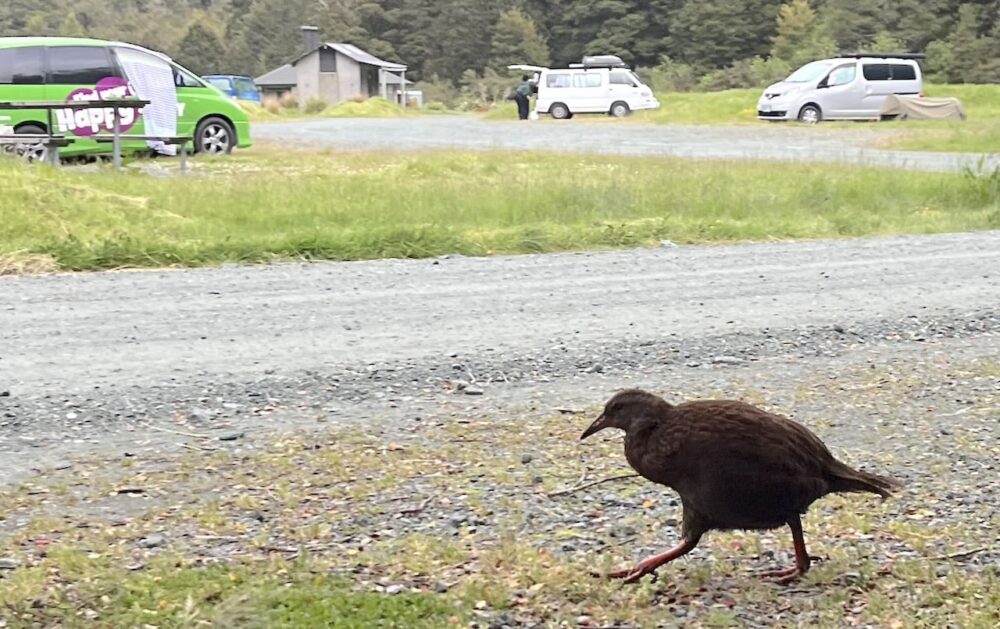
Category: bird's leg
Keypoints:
(650, 564)
(802, 558)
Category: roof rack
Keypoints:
(600, 61)
(884, 55)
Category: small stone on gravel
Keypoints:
(9, 564)
(727, 360)
(152, 541)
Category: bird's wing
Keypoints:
(741, 465)
(745, 431)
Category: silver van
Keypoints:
(845, 88)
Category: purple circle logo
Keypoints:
(89, 122)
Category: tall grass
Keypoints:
(364, 108)
(263, 205)
(725, 107)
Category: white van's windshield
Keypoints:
(809, 72)
(625, 77)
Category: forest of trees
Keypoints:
(455, 45)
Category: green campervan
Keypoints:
(56, 69)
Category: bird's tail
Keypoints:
(847, 479)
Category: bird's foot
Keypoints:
(631, 575)
(650, 564)
(783, 577)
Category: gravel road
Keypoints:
(764, 141)
(93, 359)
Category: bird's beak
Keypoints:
(597, 426)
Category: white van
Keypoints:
(600, 85)
(847, 88)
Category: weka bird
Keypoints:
(735, 466)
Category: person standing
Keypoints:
(521, 96)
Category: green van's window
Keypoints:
(22, 66)
(183, 78)
(79, 65)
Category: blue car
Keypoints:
(233, 86)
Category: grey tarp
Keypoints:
(917, 108)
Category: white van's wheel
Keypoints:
(559, 111)
(620, 109)
(810, 114)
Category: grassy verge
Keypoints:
(955, 137)
(369, 108)
(446, 521)
(171, 593)
(979, 134)
(269, 204)
(725, 107)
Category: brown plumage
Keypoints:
(734, 465)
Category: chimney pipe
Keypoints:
(310, 38)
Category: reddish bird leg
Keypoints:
(802, 559)
(649, 565)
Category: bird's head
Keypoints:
(627, 409)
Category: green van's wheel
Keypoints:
(214, 136)
(33, 152)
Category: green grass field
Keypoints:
(979, 134)
(726, 107)
(267, 204)
(982, 104)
